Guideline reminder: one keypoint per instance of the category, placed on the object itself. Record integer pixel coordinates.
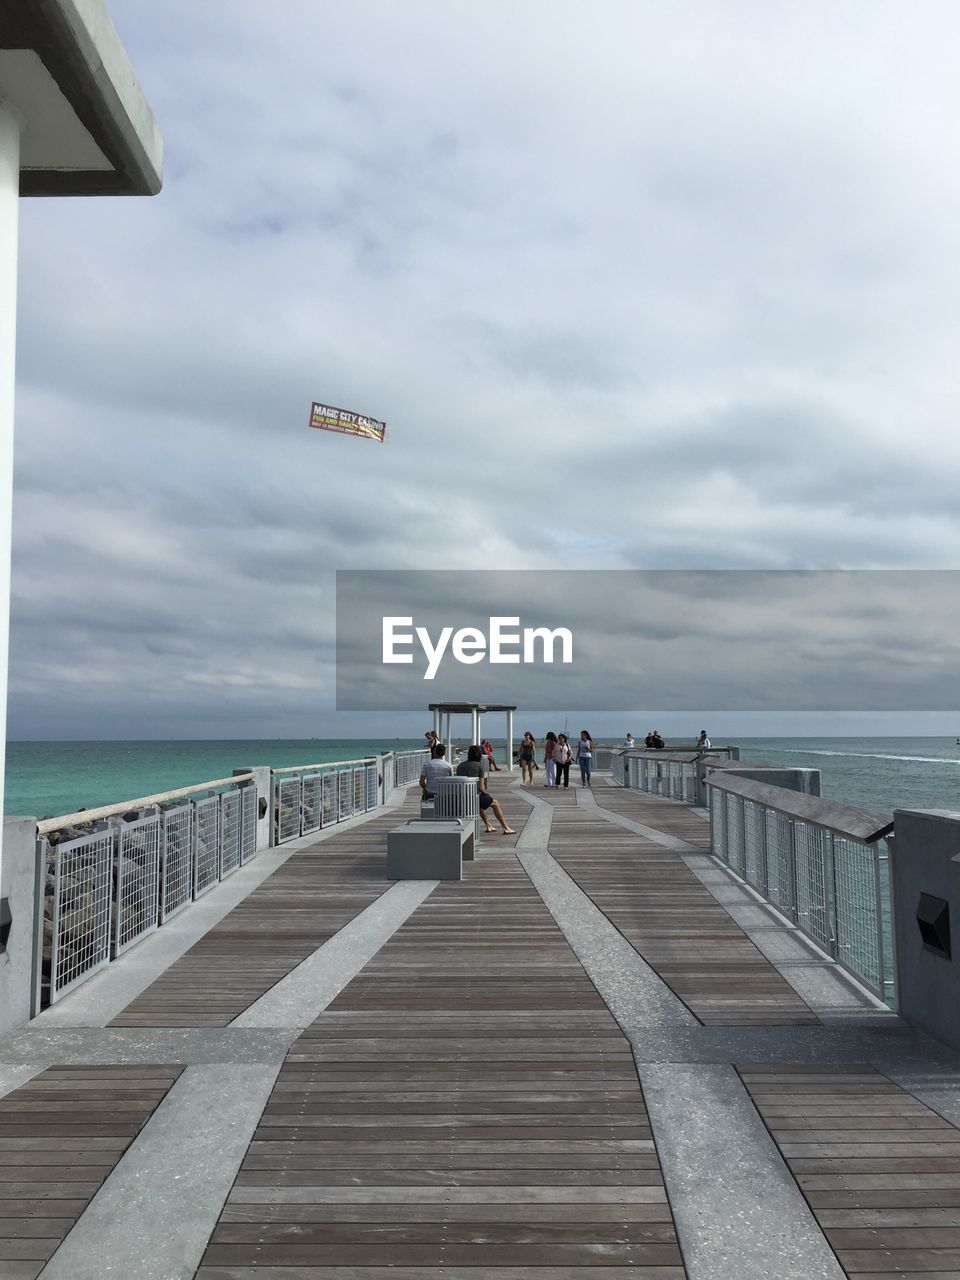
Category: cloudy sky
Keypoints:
(635, 285)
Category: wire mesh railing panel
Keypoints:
(735, 850)
(754, 840)
(690, 784)
(372, 786)
(79, 925)
(329, 810)
(206, 849)
(230, 803)
(288, 809)
(718, 825)
(311, 810)
(177, 860)
(137, 905)
(813, 912)
(859, 942)
(408, 766)
(359, 791)
(344, 794)
(248, 822)
(780, 872)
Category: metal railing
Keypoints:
(119, 878)
(309, 797)
(823, 865)
(659, 773)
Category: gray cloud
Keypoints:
(665, 287)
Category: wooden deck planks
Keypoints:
(466, 1102)
(61, 1134)
(880, 1170)
(675, 923)
(670, 816)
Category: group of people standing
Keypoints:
(558, 755)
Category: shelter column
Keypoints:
(437, 724)
(10, 126)
(509, 746)
(474, 725)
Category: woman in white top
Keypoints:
(562, 756)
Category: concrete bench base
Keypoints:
(419, 850)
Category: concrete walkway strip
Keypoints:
(937, 1087)
(536, 829)
(737, 1208)
(153, 1216)
(12, 1077)
(300, 997)
(632, 991)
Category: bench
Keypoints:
(418, 850)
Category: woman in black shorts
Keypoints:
(473, 768)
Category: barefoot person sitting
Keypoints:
(472, 767)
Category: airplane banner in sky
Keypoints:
(326, 418)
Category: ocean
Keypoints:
(47, 779)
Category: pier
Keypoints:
(600, 1054)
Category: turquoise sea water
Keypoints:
(880, 774)
(52, 778)
(47, 779)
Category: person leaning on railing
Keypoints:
(472, 767)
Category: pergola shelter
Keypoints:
(73, 122)
(475, 710)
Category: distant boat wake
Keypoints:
(876, 755)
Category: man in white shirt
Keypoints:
(629, 743)
(436, 767)
(703, 742)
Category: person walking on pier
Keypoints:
(585, 757)
(562, 756)
(550, 759)
(703, 742)
(472, 767)
(528, 758)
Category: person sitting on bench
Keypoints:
(472, 767)
(435, 767)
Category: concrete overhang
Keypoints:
(87, 128)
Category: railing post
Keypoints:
(878, 898)
(794, 885)
(830, 892)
